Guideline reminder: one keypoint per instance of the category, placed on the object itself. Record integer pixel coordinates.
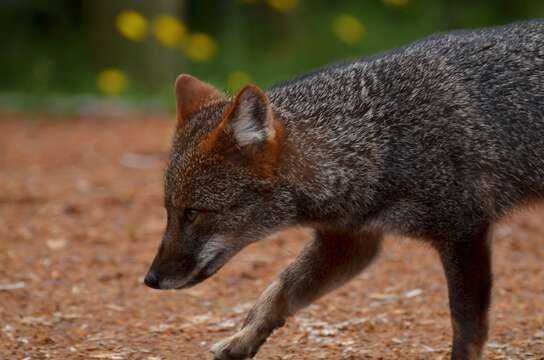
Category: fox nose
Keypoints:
(152, 280)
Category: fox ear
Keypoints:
(251, 120)
(192, 94)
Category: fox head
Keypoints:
(223, 189)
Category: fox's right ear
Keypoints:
(251, 117)
(193, 94)
(249, 132)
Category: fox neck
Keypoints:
(329, 184)
(334, 143)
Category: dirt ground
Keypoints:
(80, 219)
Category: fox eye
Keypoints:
(191, 215)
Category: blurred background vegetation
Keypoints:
(69, 55)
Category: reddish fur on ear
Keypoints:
(267, 160)
(213, 137)
(263, 159)
(193, 94)
(228, 114)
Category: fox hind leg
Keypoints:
(327, 262)
(468, 272)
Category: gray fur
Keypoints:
(437, 140)
(431, 140)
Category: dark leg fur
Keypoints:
(468, 271)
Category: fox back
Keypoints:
(425, 140)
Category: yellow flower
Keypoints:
(169, 30)
(282, 5)
(200, 47)
(348, 28)
(237, 79)
(396, 3)
(111, 82)
(131, 25)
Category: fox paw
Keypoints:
(237, 347)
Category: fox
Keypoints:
(438, 140)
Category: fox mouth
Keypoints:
(206, 271)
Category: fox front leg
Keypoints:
(328, 261)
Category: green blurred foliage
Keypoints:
(47, 46)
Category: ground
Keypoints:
(81, 217)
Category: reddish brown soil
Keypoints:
(81, 216)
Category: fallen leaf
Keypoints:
(56, 244)
(199, 319)
(36, 320)
(12, 286)
(387, 297)
(138, 161)
(160, 328)
(412, 293)
(115, 307)
(108, 355)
